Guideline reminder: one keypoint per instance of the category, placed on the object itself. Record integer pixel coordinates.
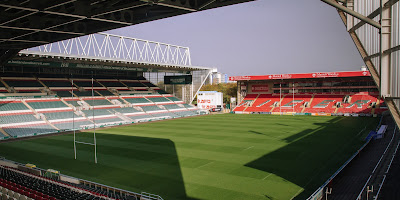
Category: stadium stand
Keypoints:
(97, 101)
(247, 101)
(60, 115)
(189, 106)
(63, 93)
(328, 93)
(172, 98)
(185, 113)
(147, 83)
(79, 123)
(137, 100)
(49, 113)
(87, 84)
(158, 99)
(45, 104)
(160, 91)
(16, 118)
(296, 104)
(23, 83)
(2, 87)
(322, 103)
(12, 106)
(105, 93)
(108, 120)
(112, 84)
(359, 103)
(125, 110)
(133, 83)
(139, 117)
(263, 103)
(172, 106)
(165, 115)
(29, 129)
(97, 112)
(16, 184)
(86, 93)
(149, 109)
(57, 83)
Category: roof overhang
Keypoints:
(314, 75)
(61, 60)
(30, 23)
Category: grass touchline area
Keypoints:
(207, 157)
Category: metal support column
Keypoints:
(385, 45)
(350, 18)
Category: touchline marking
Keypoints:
(361, 131)
(298, 192)
(248, 148)
(267, 176)
(204, 165)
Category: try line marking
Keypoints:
(248, 148)
(267, 176)
(204, 165)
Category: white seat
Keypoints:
(4, 197)
(10, 193)
(16, 195)
(23, 197)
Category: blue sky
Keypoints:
(261, 37)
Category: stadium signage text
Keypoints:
(74, 65)
(299, 76)
(259, 88)
(175, 80)
(209, 99)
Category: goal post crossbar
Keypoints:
(84, 143)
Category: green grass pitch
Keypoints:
(220, 157)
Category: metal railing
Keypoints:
(149, 196)
(373, 174)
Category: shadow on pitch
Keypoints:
(148, 164)
(137, 164)
(304, 160)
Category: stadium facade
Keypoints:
(320, 93)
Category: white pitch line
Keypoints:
(297, 193)
(248, 148)
(361, 131)
(267, 176)
(204, 165)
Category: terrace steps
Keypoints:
(44, 85)
(280, 102)
(4, 133)
(302, 110)
(5, 84)
(69, 105)
(50, 124)
(247, 105)
(309, 103)
(27, 105)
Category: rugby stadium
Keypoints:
(85, 114)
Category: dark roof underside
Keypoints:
(29, 23)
